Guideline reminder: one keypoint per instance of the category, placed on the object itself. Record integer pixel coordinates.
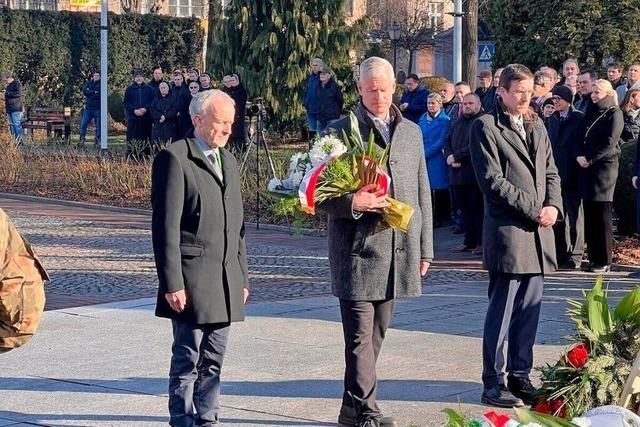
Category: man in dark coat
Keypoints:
(91, 112)
(13, 105)
(513, 162)
(158, 77)
(485, 80)
(329, 98)
(586, 79)
(489, 101)
(413, 103)
(137, 99)
(462, 179)
(566, 132)
(235, 89)
(615, 75)
(182, 98)
(198, 243)
(309, 97)
(371, 264)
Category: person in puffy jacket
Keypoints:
(435, 125)
(13, 105)
(329, 98)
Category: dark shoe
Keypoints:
(523, 389)
(569, 265)
(377, 421)
(502, 398)
(600, 269)
(587, 267)
(634, 275)
(477, 250)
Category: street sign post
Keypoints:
(486, 52)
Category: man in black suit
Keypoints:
(198, 242)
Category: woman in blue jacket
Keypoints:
(435, 125)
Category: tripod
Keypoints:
(257, 138)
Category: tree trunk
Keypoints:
(410, 67)
(470, 42)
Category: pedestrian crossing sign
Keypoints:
(486, 52)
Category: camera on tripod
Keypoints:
(257, 107)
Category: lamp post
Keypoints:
(394, 35)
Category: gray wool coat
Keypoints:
(198, 234)
(517, 179)
(368, 261)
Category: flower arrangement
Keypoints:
(593, 372)
(334, 168)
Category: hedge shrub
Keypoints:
(624, 199)
(54, 53)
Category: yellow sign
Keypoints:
(84, 3)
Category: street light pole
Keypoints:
(394, 35)
(104, 77)
(457, 40)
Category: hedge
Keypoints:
(624, 199)
(54, 53)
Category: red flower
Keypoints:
(542, 406)
(578, 355)
(558, 409)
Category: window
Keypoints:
(36, 4)
(435, 12)
(187, 8)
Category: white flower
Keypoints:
(581, 422)
(273, 184)
(296, 178)
(532, 425)
(326, 147)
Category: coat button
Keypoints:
(392, 162)
(226, 263)
(398, 250)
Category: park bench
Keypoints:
(54, 121)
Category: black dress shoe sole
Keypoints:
(500, 404)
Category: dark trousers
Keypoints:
(470, 201)
(638, 207)
(513, 313)
(569, 233)
(364, 324)
(194, 377)
(598, 225)
(138, 135)
(441, 205)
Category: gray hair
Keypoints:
(317, 61)
(7, 75)
(375, 63)
(201, 100)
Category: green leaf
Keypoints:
(598, 312)
(629, 306)
(455, 419)
(527, 416)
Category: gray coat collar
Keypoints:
(531, 127)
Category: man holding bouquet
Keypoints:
(371, 263)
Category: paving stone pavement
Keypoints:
(285, 367)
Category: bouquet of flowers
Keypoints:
(334, 168)
(594, 370)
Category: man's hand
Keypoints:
(634, 182)
(245, 295)
(370, 198)
(424, 266)
(403, 106)
(450, 159)
(548, 216)
(582, 161)
(162, 119)
(456, 165)
(177, 300)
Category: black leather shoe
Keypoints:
(502, 398)
(523, 389)
(379, 421)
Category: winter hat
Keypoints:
(564, 93)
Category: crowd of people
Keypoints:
(587, 120)
(158, 112)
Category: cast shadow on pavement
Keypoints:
(398, 390)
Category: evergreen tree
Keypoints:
(271, 43)
(535, 32)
